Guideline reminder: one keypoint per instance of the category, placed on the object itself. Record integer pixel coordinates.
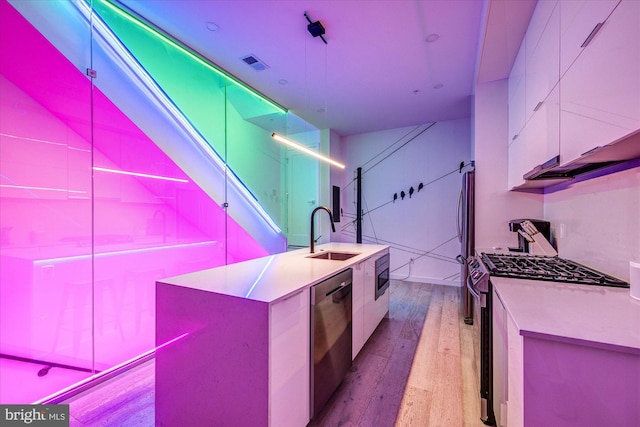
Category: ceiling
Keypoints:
(386, 64)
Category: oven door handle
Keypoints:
(480, 297)
(472, 290)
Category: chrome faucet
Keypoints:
(333, 227)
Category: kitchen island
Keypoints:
(565, 354)
(234, 341)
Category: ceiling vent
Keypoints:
(255, 63)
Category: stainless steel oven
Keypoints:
(479, 288)
(382, 275)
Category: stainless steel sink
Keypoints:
(334, 256)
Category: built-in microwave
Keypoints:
(382, 275)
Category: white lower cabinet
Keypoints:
(357, 312)
(515, 375)
(289, 324)
(508, 371)
(367, 311)
(374, 309)
(500, 364)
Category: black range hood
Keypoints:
(552, 172)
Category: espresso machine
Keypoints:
(534, 236)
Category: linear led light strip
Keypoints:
(143, 175)
(190, 53)
(255, 282)
(121, 172)
(28, 187)
(137, 73)
(24, 138)
(45, 262)
(306, 150)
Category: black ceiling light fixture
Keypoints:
(315, 28)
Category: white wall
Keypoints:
(495, 205)
(417, 225)
(601, 218)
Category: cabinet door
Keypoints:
(538, 141)
(374, 309)
(599, 93)
(542, 42)
(516, 95)
(357, 320)
(518, 165)
(578, 18)
(289, 344)
(515, 374)
(500, 360)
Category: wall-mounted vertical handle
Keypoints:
(538, 105)
(592, 34)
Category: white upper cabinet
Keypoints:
(537, 142)
(516, 96)
(579, 65)
(578, 20)
(600, 92)
(533, 95)
(542, 47)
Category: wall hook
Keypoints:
(402, 195)
(410, 192)
(420, 186)
(395, 197)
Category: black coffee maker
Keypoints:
(544, 227)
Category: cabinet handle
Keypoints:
(593, 150)
(592, 34)
(537, 107)
(514, 137)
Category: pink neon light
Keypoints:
(85, 310)
(142, 175)
(26, 187)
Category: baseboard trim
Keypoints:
(421, 279)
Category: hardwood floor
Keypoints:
(417, 369)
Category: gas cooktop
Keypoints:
(549, 268)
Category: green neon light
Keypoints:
(191, 54)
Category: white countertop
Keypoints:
(269, 279)
(598, 316)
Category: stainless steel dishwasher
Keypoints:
(330, 337)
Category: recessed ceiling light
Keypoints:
(212, 26)
(283, 81)
(438, 86)
(432, 38)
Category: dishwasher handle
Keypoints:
(332, 287)
(342, 285)
(339, 294)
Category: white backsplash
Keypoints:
(601, 218)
